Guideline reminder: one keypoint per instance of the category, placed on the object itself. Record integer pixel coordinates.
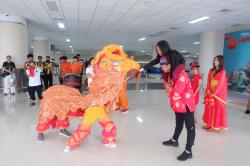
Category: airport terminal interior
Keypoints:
(124, 82)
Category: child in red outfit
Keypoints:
(182, 102)
(196, 82)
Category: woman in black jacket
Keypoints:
(162, 49)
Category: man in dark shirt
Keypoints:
(48, 69)
(9, 68)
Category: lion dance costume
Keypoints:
(60, 103)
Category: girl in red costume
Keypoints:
(182, 102)
(196, 82)
(215, 115)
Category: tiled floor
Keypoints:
(140, 133)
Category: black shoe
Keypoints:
(171, 143)
(40, 137)
(12, 94)
(65, 133)
(5, 94)
(32, 104)
(247, 112)
(184, 156)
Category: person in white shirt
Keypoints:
(34, 85)
(89, 71)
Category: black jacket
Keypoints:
(152, 63)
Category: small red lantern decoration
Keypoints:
(232, 43)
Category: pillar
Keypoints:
(14, 42)
(13, 39)
(211, 44)
(41, 47)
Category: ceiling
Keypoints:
(90, 24)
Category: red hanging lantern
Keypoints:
(232, 43)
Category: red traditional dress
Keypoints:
(181, 93)
(195, 83)
(215, 115)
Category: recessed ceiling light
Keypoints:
(58, 52)
(196, 43)
(197, 53)
(70, 46)
(199, 20)
(141, 39)
(121, 46)
(68, 40)
(142, 50)
(183, 51)
(61, 25)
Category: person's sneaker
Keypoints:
(32, 103)
(124, 111)
(111, 144)
(247, 112)
(40, 137)
(64, 133)
(12, 94)
(206, 127)
(171, 143)
(184, 156)
(67, 149)
(5, 94)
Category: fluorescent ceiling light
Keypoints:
(68, 40)
(141, 39)
(142, 50)
(58, 52)
(196, 43)
(121, 46)
(70, 46)
(61, 25)
(183, 51)
(199, 20)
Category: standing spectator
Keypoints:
(48, 73)
(76, 67)
(34, 74)
(196, 82)
(90, 71)
(9, 69)
(40, 65)
(26, 66)
(215, 114)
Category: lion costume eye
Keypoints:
(105, 63)
(115, 63)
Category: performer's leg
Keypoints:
(45, 80)
(6, 85)
(248, 106)
(123, 98)
(31, 91)
(109, 132)
(83, 130)
(179, 120)
(50, 79)
(190, 126)
(39, 91)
